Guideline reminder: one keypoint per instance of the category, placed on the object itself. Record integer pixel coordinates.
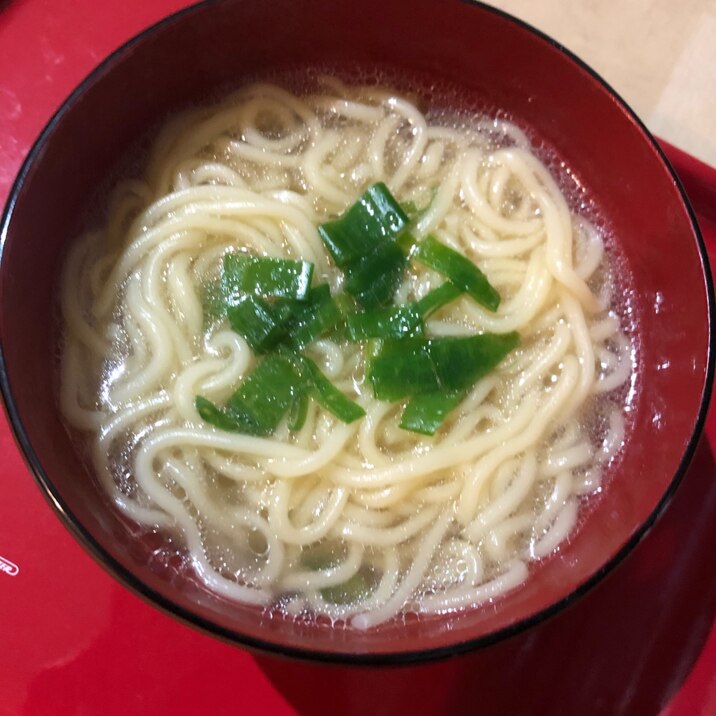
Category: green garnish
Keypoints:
(363, 243)
(260, 402)
(265, 325)
(437, 298)
(418, 365)
(399, 321)
(374, 219)
(324, 392)
(459, 270)
(270, 302)
(298, 411)
(374, 279)
(391, 322)
(264, 276)
(216, 416)
(260, 323)
(281, 383)
(320, 314)
(425, 413)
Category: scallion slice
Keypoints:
(391, 322)
(418, 365)
(320, 314)
(324, 392)
(265, 276)
(437, 298)
(425, 413)
(459, 270)
(261, 324)
(298, 411)
(374, 219)
(260, 402)
(374, 279)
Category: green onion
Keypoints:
(374, 219)
(366, 243)
(399, 321)
(264, 276)
(317, 316)
(324, 392)
(269, 301)
(262, 325)
(298, 411)
(391, 322)
(406, 241)
(425, 413)
(437, 298)
(216, 416)
(267, 394)
(459, 270)
(402, 368)
(418, 365)
(260, 402)
(374, 279)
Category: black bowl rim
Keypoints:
(396, 658)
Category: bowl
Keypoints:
(501, 62)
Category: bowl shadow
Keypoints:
(625, 648)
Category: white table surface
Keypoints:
(659, 55)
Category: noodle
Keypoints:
(431, 524)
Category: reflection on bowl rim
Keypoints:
(129, 580)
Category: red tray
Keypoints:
(72, 641)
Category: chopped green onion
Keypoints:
(425, 413)
(318, 315)
(266, 395)
(437, 298)
(406, 241)
(298, 411)
(264, 325)
(374, 279)
(260, 402)
(371, 244)
(458, 270)
(363, 243)
(391, 322)
(399, 321)
(216, 416)
(402, 368)
(374, 219)
(324, 392)
(410, 208)
(258, 322)
(418, 365)
(265, 276)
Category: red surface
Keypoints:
(74, 642)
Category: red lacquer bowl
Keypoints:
(497, 62)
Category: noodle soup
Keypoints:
(356, 521)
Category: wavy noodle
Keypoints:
(428, 524)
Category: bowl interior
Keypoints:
(497, 63)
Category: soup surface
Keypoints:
(364, 520)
